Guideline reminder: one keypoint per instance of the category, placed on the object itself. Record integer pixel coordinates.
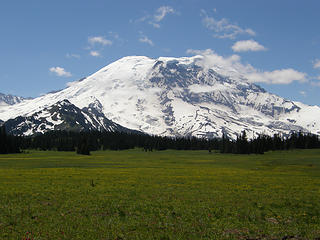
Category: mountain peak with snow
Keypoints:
(9, 99)
(178, 97)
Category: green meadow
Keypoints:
(160, 195)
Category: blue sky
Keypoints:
(46, 44)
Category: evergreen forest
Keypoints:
(84, 142)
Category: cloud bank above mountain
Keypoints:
(232, 66)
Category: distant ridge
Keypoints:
(10, 99)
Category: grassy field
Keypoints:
(160, 195)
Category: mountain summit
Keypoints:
(178, 97)
(6, 100)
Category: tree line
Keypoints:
(264, 143)
(85, 142)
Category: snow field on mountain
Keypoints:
(177, 97)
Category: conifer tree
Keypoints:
(83, 147)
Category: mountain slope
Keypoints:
(179, 97)
(63, 116)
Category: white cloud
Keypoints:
(162, 12)
(210, 58)
(99, 40)
(95, 54)
(68, 55)
(247, 45)
(157, 17)
(223, 28)
(155, 25)
(231, 66)
(200, 52)
(282, 76)
(303, 93)
(316, 63)
(70, 84)
(59, 71)
(145, 39)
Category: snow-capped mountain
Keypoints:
(6, 100)
(178, 97)
(63, 115)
